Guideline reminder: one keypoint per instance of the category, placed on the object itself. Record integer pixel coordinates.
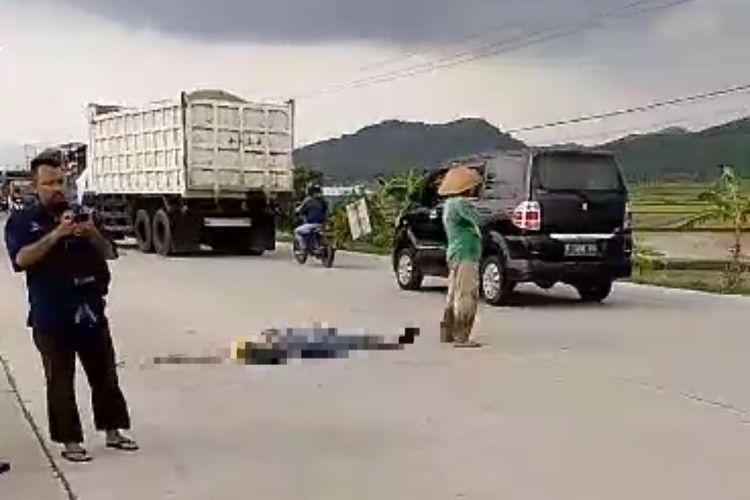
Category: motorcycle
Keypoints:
(320, 246)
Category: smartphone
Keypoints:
(80, 215)
(80, 218)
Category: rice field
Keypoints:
(667, 206)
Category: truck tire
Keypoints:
(162, 233)
(143, 231)
(257, 241)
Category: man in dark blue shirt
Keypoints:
(314, 212)
(64, 254)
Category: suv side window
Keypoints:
(506, 178)
(429, 197)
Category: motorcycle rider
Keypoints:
(314, 212)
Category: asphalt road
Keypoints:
(644, 397)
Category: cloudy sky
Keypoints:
(58, 55)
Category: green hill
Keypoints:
(671, 154)
(394, 146)
(680, 154)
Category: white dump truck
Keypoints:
(205, 168)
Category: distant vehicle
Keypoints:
(21, 195)
(14, 181)
(205, 168)
(548, 216)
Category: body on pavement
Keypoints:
(464, 252)
(64, 256)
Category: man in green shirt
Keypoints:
(461, 223)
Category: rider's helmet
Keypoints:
(313, 189)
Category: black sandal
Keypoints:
(467, 344)
(76, 456)
(123, 444)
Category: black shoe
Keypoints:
(4, 467)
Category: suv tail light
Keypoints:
(628, 222)
(528, 216)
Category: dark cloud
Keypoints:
(302, 21)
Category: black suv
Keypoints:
(547, 216)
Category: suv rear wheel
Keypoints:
(595, 292)
(408, 274)
(493, 283)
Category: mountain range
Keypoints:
(393, 146)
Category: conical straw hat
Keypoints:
(458, 180)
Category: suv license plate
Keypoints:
(581, 250)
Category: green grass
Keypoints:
(352, 246)
(705, 281)
(363, 247)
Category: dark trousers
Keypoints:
(59, 347)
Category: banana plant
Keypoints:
(726, 202)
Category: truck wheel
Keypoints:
(254, 243)
(162, 233)
(408, 274)
(143, 233)
(221, 243)
(595, 292)
(493, 282)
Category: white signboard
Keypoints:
(359, 219)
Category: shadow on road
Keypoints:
(529, 297)
(273, 255)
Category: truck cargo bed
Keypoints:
(200, 145)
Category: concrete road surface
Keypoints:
(646, 397)
(31, 475)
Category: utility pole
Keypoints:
(30, 151)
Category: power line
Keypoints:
(637, 109)
(526, 34)
(614, 135)
(535, 37)
(411, 54)
(390, 61)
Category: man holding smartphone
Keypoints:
(64, 256)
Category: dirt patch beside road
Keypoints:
(688, 245)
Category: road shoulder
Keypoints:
(31, 475)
